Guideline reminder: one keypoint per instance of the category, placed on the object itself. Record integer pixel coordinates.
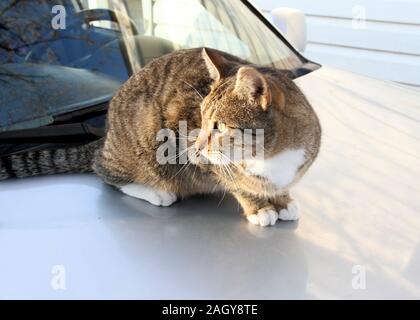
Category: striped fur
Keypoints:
(204, 87)
(74, 159)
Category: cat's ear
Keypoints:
(254, 86)
(216, 64)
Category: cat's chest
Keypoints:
(280, 169)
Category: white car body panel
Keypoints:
(358, 236)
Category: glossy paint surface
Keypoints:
(358, 236)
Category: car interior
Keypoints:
(63, 77)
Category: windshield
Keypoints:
(60, 56)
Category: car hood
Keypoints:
(361, 196)
(358, 235)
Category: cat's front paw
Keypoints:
(292, 212)
(264, 217)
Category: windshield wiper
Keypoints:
(81, 114)
(66, 127)
(71, 132)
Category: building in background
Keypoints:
(378, 38)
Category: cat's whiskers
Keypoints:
(177, 155)
(191, 86)
(183, 168)
(223, 196)
(182, 137)
(228, 169)
(224, 189)
(195, 154)
(185, 165)
(224, 168)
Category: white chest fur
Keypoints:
(280, 169)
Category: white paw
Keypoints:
(291, 213)
(154, 196)
(164, 198)
(263, 217)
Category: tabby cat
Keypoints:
(220, 94)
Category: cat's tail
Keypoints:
(73, 159)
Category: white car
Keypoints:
(71, 236)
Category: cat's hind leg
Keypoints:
(123, 181)
(149, 194)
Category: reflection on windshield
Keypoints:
(45, 71)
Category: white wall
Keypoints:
(386, 44)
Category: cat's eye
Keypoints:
(221, 126)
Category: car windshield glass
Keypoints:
(60, 56)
